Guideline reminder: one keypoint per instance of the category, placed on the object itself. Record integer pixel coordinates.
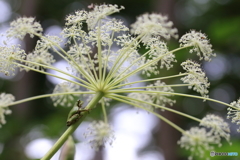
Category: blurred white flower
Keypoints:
(22, 26)
(99, 133)
(5, 101)
(234, 112)
(216, 125)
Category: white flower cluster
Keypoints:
(5, 101)
(101, 12)
(9, 56)
(234, 113)
(153, 25)
(64, 99)
(99, 133)
(80, 55)
(47, 42)
(142, 97)
(198, 141)
(157, 49)
(37, 58)
(126, 40)
(161, 98)
(196, 77)
(76, 19)
(216, 125)
(200, 44)
(22, 26)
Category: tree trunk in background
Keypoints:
(164, 7)
(168, 136)
(99, 154)
(24, 87)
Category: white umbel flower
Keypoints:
(141, 97)
(65, 100)
(154, 25)
(198, 141)
(234, 113)
(8, 58)
(200, 44)
(101, 12)
(114, 26)
(43, 57)
(158, 49)
(22, 26)
(196, 77)
(99, 133)
(47, 42)
(126, 40)
(5, 101)
(217, 126)
(160, 98)
(76, 19)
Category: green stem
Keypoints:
(171, 93)
(142, 67)
(84, 62)
(68, 80)
(106, 61)
(83, 72)
(99, 53)
(157, 106)
(53, 68)
(134, 62)
(156, 114)
(174, 85)
(47, 95)
(43, 72)
(148, 80)
(104, 112)
(116, 65)
(71, 129)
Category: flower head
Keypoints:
(198, 141)
(200, 44)
(5, 101)
(47, 42)
(195, 77)
(43, 57)
(160, 98)
(154, 25)
(99, 133)
(64, 99)
(142, 97)
(217, 126)
(101, 12)
(73, 32)
(157, 49)
(234, 112)
(9, 56)
(22, 26)
(76, 19)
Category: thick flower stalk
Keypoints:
(102, 58)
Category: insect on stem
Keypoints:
(75, 113)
